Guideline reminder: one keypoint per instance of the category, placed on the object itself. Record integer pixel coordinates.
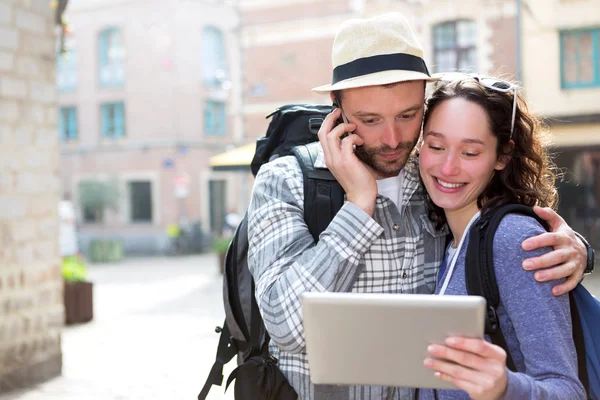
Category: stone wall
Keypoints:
(31, 306)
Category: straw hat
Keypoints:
(375, 51)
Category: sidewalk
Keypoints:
(152, 336)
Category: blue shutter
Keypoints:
(102, 56)
(117, 63)
(72, 124)
(208, 118)
(61, 124)
(104, 119)
(103, 48)
(596, 56)
(221, 120)
(119, 120)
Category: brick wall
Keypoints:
(503, 41)
(31, 307)
(287, 71)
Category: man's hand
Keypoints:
(568, 258)
(354, 176)
(471, 364)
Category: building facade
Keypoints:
(148, 91)
(30, 274)
(287, 44)
(561, 76)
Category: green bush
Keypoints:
(220, 245)
(74, 269)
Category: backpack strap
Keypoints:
(323, 195)
(479, 268)
(228, 347)
(225, 352)
(579, 340)
(481, 280)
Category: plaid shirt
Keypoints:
(396, 251)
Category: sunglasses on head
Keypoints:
(489, 83)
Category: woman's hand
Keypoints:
(473, 365)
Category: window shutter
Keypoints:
(61, 124)
(104, 119)
(119, 120)
(72, 130)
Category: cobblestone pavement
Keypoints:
(152, 336)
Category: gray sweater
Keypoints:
(536, 324)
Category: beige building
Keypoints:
(287, 44)
(561, 75)
(286, 49)
(148, 91)
(30, 274)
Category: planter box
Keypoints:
(105, 250)
(79, 302)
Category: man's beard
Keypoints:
(387, 168)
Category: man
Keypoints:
(381, 240)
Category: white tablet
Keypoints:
(382, 339)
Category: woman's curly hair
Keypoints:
(529, 176)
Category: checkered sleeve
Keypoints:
(283, 257)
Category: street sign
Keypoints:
(182, 185)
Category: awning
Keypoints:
(234, 160)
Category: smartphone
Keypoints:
(342, 119)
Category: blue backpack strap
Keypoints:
(580, 345)
(323, 195)
(481, 281)
(479, 268)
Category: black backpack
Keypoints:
(292, 130)
(481, 281)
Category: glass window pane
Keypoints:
(466, 34)
(586, 44)
(213, 56)
(569, 46)
(445, 61)
(468, 60)
(444, 36)
(570, 72)
(586, 70)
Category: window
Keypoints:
(111, 58)
(67, 123)
(214, 71)
(580, 194)
(113, 120)
(66, 67)
(454, 46)
(580, 58)
(140, 201)
(214, 118)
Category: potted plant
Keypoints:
(78, 292)
(219, 247)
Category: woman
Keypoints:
(481, 148)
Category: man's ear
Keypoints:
(505, 156)
(332, 96)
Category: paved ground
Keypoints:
(152, 336)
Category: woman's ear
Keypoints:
(504, 158)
